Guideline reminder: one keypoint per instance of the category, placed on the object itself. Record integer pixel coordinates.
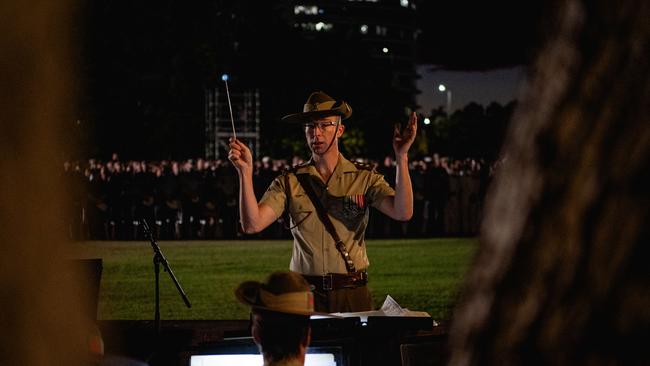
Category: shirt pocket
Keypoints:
(353, 205)
(350, 210)
(301, 210)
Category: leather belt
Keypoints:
(336, 281)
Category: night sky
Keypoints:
(478, 36)
(479, 50)
(144, 66)
(483, 87)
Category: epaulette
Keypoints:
(287, 171)
(293, 169)
(363, 166)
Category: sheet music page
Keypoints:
(391, 307)
(362, 314)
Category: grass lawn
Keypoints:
(420, 274)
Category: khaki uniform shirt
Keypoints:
(351, 189)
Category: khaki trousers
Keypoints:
(344, 300)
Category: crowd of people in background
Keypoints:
(197, 198)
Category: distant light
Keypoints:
(442, 87)
(306, 9)
(427, 121)
(384, 50)
(404, 3)
(364, 29)
(320, 26)
(224, 77)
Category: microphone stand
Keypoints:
(158, 259)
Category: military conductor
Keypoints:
(327, 200)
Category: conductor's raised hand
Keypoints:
(402, 140)
(240, 156)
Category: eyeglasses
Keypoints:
(320, 125)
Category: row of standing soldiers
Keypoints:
(198, 199)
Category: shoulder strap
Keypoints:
(364, 166)
(325, 219)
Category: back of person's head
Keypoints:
(280, 336)
(280, 311)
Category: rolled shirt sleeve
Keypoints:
(275, 196)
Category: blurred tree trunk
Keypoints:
(42, 318)
(560, 276)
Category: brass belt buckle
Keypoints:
(327, 282)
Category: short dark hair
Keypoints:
(280, 334)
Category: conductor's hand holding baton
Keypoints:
(253, 218)
(239, 154)
(241, 157)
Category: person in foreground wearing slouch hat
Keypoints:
(327, 200)
(280, 311)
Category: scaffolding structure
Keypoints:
(218, 127)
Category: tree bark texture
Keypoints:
(561, 276)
